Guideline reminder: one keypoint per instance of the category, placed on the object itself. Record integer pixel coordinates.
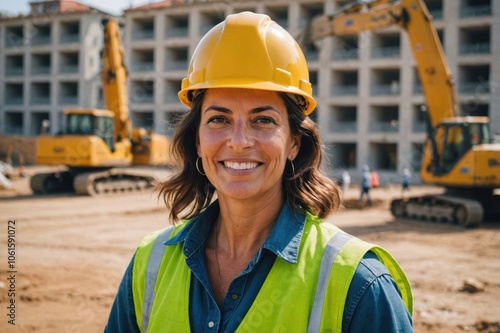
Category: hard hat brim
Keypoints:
(269, 86)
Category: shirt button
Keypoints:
(211, 324)
(234, 297)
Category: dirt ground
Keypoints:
(71, 252)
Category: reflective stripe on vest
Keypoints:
(332, 249)
(154, 262)
(331, 252)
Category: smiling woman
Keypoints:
(259, 257)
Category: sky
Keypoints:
(114, 7)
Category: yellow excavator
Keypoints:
(98, 147)
(458, 154)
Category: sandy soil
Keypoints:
(71, 252)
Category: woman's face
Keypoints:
(244, 141)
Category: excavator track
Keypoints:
(441, 208)
(111, 181)
(55, 182)
(93, 182)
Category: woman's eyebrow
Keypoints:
(254, 110)
(264, 108)
(217, 108)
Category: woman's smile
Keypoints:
(240, 166)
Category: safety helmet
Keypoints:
(251, 51)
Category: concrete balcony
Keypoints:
(67, 69)
(14, 71)
(385, 89)
(40, 70)
(474, 88)
(142, 98)
(344, 91)
(13, 130)
(342, 126)
(69, 38)
(176, 65)
(176, 32)
(385, 52)
(14, 100)
(475, 11)
(143, 66)
(475, 48)
(40, 100)
(68, 100)
(345, 54)
(384, 126)
(143, 35)
(41, 40)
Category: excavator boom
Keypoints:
(114, 78)
(412, 16)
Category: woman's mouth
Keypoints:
(240, 166)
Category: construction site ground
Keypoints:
(71, 252)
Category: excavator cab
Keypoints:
(91, 122)
(455, 137)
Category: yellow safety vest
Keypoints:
(308, 296)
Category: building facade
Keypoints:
(49, 61)
(370, 103)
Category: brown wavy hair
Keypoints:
(305, 187)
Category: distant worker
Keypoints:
(366, 182)
(346, 180)
(405, 180)
(249, 250)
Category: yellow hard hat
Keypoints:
(251, 51)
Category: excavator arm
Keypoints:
(412, 16)
(114, 79)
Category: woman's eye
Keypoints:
(217, 120)
(265, 120)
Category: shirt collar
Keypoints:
(283, 241)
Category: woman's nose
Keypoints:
(241, 136)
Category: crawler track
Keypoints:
(440, 209)
(94, 182)
(55, 182)
(111, 181)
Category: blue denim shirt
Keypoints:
(373, 302)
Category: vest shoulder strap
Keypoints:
(339, 262)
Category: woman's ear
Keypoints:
(295, 148)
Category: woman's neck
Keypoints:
(245, 225)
